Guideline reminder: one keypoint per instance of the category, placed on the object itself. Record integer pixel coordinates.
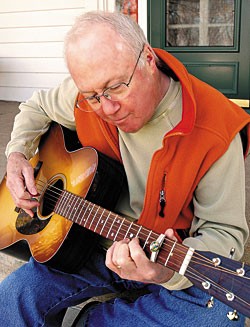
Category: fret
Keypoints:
(147, 240)
(87, 218)
(117, 233)
(138, 232)
(128, 230)
(67, 204)
(111, 237)
(71, 205)
(110, 228)
(98, 223)
(135, 231)
(78, 214)
(101, 232)
(64, 204)
(109, 218)
(132, 235)
(75, 208)
(93, 219)
(170, 254)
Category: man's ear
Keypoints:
(150, 56)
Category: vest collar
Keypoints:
(186, 125)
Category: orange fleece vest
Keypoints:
(209, 123)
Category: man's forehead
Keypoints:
(96, 61)
(100, 72)
(100, 35)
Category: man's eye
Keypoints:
(91, 99)
(115, 89)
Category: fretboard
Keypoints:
(115, 228)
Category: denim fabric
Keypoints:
(36, 295)
(161, 308)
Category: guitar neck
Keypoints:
(114, 227)
(203, 269)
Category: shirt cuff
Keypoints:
(177, 282)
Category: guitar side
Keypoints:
(77, 170)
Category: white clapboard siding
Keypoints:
(34, 49)
(34, 34)
(59, 17)
(31, 43)
(35, 5)
(42, 80)
(37, 65)
(31, 5)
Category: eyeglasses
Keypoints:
(114, 92)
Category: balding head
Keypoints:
(124, 26)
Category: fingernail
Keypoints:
(33, 192)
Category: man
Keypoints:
(182, 145)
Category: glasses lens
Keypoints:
(116, 92)
(88, 105)
(93, 100)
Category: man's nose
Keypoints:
(109, 107)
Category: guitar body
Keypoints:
(84, 172)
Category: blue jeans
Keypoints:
(36, 295)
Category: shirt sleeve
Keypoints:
(219, 222)
(38, 112)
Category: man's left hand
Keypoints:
(129, 261)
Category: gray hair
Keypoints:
(122, 24)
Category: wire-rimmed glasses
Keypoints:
(114, 92)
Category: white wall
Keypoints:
(31, 43)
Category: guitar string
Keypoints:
(198, 276)
(197, 254)
(56, 198)
(107, 224)
(204, 259)
(200, 259)
(192, 274)
(201, 278)
(107, 227)
(195, 275)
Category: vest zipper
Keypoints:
(162, 198)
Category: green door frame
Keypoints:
(226, 68)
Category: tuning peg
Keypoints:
(210, 302)
(231, 253)
(241, 271)
(233, 315)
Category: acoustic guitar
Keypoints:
(71, 193)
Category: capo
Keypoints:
(155, 247)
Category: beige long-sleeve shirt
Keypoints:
(220, 196)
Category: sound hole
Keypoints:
(50, 197)
(32, 225)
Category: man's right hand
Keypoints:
(21, 182)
